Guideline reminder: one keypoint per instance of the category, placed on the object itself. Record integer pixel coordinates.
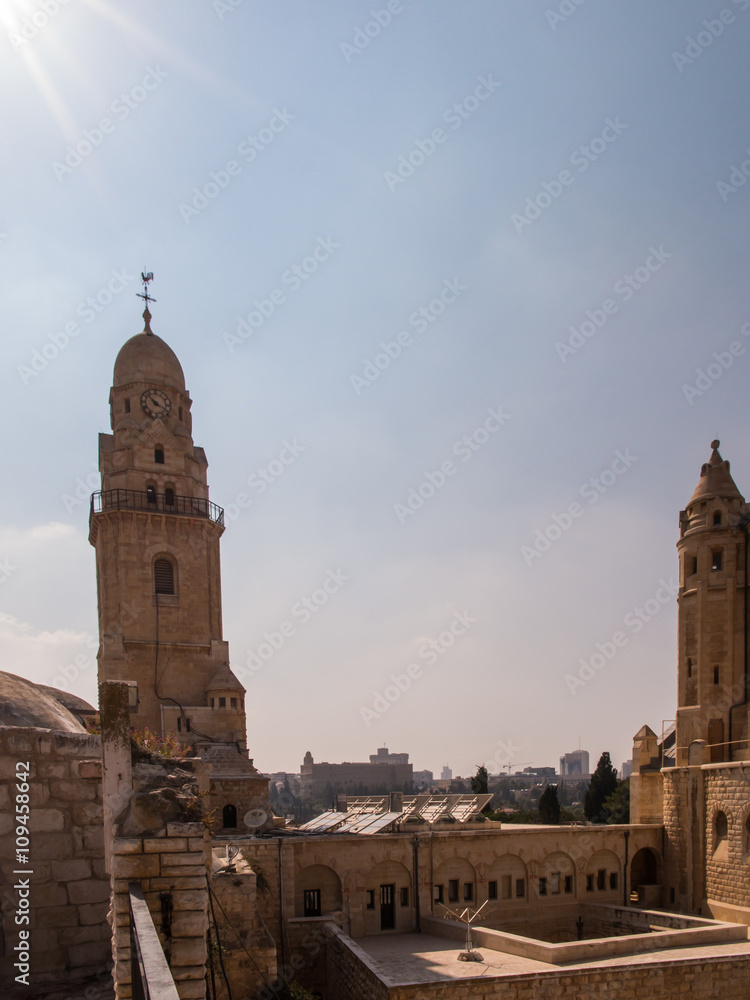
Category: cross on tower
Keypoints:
(146, 277)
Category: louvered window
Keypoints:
(163, 577)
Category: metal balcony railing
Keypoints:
(153, 502)
(150, 975)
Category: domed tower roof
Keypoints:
(147, 358)
(715, 480)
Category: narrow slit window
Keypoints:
(589, 883)
(179, 724)
(468, 892)
(693, 565)
(717, 559)
(163, 577)
(404, 892)
(613, 880)
(601, 878)
(689, 667)
(542, 886)
(520, 888)
(568, 884)
(453, 890)
(370, 897)
(187, 724)
(717, 517)
(127, 406)
(716, 675)
(492, 890)
(169, 496)
(159, 456)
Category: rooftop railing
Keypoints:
(150, 975)
(153, 502)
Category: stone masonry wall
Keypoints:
(68, 894)
(171, 869)
(352, 975)
(727, 876)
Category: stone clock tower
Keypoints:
(156, 536)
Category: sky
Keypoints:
(460, 293)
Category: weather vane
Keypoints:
(146, 277)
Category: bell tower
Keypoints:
(713, 617)
(156, 535)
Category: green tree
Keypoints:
(617, 805)
(603, 783)
(549, 806)
(480, 781)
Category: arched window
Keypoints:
(159, 455)
(229, 817)
(169, 497)
(721, 827)
(151, 494)
(163, 577)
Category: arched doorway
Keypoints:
(645, 885)
(229, 817)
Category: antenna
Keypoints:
(469, 915)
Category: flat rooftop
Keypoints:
(422, 958)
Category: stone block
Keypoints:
(127, 845)
(189, 951)
(71, 791)
(87, 813)
(186, 871)
(71, 871)
(47, 821)
(48, 895)
(88, 891)
(135, 865)
(170, 884)
(165, 845)
(91, 953)
(191, 989)
(39, 794)
(57, 916)
(6, 824)
(189, 900)
(90, 769)
(92, 913)
(189, 923)
(185, 858)
(51, 769)
(46, 846)
(196, 844)
(83, 935)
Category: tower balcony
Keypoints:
(152, 502)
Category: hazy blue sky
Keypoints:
(558, 188)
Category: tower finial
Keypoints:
(146, 277)
(715, 443)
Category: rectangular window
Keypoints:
(589, 883)
(179, 724)
(717, 559)
(404, 894)
(370, 899)
(693, 565)
(506, 886)
(542, 886)
(716, 675)
(492, 890)
(671, 894)
(468, 892)
(438, 893)
(554, 887)
(233, 702)
(312, 902)
(568, 884)
(601, 878)
(127, 406)
(222, 702)
(187, 725)
(520, 888)
(613, 880)
(452, 890)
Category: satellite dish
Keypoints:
(255, 818)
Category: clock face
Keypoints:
(156, 403)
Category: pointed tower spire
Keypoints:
(715, 479)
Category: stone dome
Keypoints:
(23, 703)
(147, 358)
